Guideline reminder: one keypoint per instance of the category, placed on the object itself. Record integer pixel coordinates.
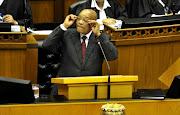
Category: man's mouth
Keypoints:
(79, 26)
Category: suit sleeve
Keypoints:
(110, 50)
(53, 42)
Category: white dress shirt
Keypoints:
(102, 13)
(87, 39)
(1, 1)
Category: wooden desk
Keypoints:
(84, 87)
(133, 107)
(147, 52)
(18, 56)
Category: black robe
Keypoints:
(16, 9)
(144, 8)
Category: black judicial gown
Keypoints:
(144, 8)
(16, 8)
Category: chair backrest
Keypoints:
(73, 7)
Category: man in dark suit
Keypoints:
(69, 42)
(13, 12)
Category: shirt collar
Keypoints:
(94, 4)
(87, 35)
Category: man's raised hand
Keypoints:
(70, 19)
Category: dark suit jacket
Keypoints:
(69, 44)
(16, 9)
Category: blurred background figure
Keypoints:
(152, 8)
(108, 11)
(13, 12)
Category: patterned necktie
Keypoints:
(83, 47)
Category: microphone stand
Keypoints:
(25, 15)
(108, 88)
(174, 10)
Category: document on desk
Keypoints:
(117, 25)
(40, 32)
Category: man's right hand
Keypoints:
(70, 19)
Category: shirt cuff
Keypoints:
(179, 12)
(62, 27)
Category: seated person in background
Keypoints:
(154, 8)
(13, 12)
(81, 54)
(108, 11)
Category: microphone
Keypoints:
(108, 88)
(25, 15)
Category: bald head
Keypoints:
(82, 24)
(89, 13)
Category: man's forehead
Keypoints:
(84, 16)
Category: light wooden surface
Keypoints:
(94, 79)
(135, 107)
(84, 87)
(168, 76)
(87, 91)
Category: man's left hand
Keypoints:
(95, 26)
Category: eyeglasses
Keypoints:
(84, 20)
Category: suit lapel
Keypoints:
(91, 45)
(77, 45)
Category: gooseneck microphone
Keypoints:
(25, 15)
(108, 87)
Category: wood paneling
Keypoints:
(19, 60)
(133, 107)
(42, 11)
(52, 10)
(147, 57)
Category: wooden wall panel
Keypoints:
(59, 11)
(52, 10)
(12, 63)
(148, 61)
(42, 11)
(19, 59)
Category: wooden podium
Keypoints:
(18, 55)
(84, 87)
